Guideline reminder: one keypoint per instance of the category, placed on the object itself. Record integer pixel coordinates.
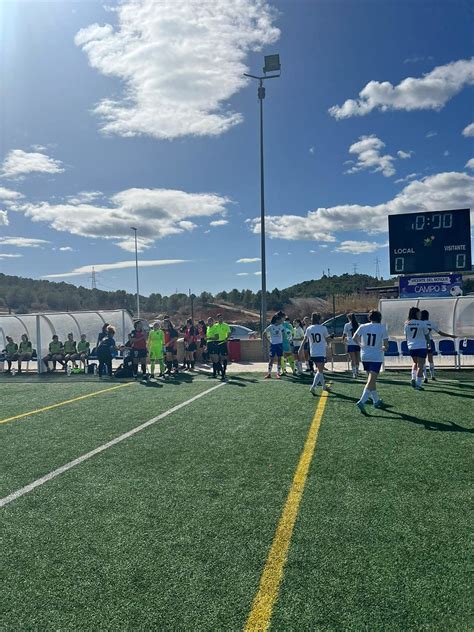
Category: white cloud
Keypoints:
(156, 212)
(66, 249)
(180, 63)
(403, 155)
(219, 222)
(312, 149)
(3, 218)
(84, 196)
(248, 260)
(430, 92)
(468, 130)
(448, 190)
(9, 195)
(120, 265)
(367, 149)
(19, 163)
(359, 247)
(416, 58)
(410, 176)
(431, 134)
(470, 163)
(243, 273)
(23, 242)
(5, 256)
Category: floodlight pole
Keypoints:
(263, 310)
(136, 270)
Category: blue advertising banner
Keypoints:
(436, 285)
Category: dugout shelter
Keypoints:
(40, 328)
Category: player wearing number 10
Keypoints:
(373, 340)
(317, 335)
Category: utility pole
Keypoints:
(272, 64)
(354, 268)
(377, 268)
(136, 270)
(93, 279)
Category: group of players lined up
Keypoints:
(367, 342)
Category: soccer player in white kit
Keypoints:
(373, 340)
(317, 337)
(418, 342)
(352, 349)
(425, 317)
(274, 332)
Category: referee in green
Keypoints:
(222, 330)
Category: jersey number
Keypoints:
(316, 338)
(414, 330)
(371, 338)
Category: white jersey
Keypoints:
(275, 333)
(371, 336)
(317, 335)
(431, 327)
(415, 333)
(349, 333)
(298, 335)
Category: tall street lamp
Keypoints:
(136, 269)
(272, 65)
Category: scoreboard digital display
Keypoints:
(430, 242)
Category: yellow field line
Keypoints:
(67, 401)
(261, 612)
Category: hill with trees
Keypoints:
(22, 295)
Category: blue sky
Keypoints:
(139, 116)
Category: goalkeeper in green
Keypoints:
(155, 345)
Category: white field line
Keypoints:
(68, 466)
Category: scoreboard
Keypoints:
(430, 242)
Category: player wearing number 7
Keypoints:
(318, 336)
(418, 341)
(373, 340)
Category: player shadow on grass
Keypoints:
(393, 414)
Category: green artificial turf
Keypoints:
(170, 529)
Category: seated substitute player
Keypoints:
(274, 333)
(212, 337)
(25, 352)
(418, 342)
(56, 354)
(425, 316)
(223, 335)
(11, 353)
(373, 340)
(318, 337)
(155, 345)
(352, 349)
(70, 351)
(83, 349)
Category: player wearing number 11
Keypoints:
(373, 340)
